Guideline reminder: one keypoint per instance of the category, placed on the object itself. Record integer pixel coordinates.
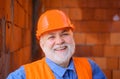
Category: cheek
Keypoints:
(49, 43)
(69, 40)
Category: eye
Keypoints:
(65, 34)
(51, 37)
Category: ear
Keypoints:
(41, 43)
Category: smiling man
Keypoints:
(58, 46)
(55, 35)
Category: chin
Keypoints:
(62, 59)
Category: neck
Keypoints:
(64, 64)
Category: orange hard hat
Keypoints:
(52, 20)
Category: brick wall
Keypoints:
(17, 15)
(18, 31)
(97, 33)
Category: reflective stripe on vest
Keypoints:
(40, 70)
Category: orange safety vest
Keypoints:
(40, 70)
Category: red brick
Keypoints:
(105, 4)
(14, 38)
(26, 37)
(2, 8)
(81, 26)
(105, 26)
(74, 3)
(21, 2)
(88, 13)
(20, 57)
(19, 15)
(119, 63)
(76, 14)
(112, 51)
(45, 3)
(105, 14)
(68, 3)
(109, 51)
(108, 73)
(8, 34)
(78, 26)
(53, 3)
(91, 39)
(1, 41)
(29, 3)
(111, 13)
(101, 61)
(104, 38)
(79, 38)
(8, 10)
(83, 3)
(100, 14)
(117, 53)
(26, 54)
(93, 26)
(115, 3)
(2, 3)
(26, 5)
(16, 59)
(97, 50)
(66, 10)
(28, 22)
(83, 51)
(116, 26)
(112, 63)
(115, 39)
(116, 74)
(93, 3)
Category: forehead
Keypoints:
(58, 30)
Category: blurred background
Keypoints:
(97, 33)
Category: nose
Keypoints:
(59, 40)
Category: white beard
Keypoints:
(61, 57)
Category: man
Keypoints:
(55, 35)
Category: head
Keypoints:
(55, 34)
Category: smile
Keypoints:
(60, 48)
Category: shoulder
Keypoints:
(94, 65)
(17, 74)
(96, 70)
(83, 59)
(80, 60)
(35, 63)
(97, 73)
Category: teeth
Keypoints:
(60, 48)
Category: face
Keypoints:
(58, 45)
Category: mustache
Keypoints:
(60, 46)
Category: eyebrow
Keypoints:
(65, 30)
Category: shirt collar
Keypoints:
(58, 69)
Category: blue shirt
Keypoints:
(61, 73)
